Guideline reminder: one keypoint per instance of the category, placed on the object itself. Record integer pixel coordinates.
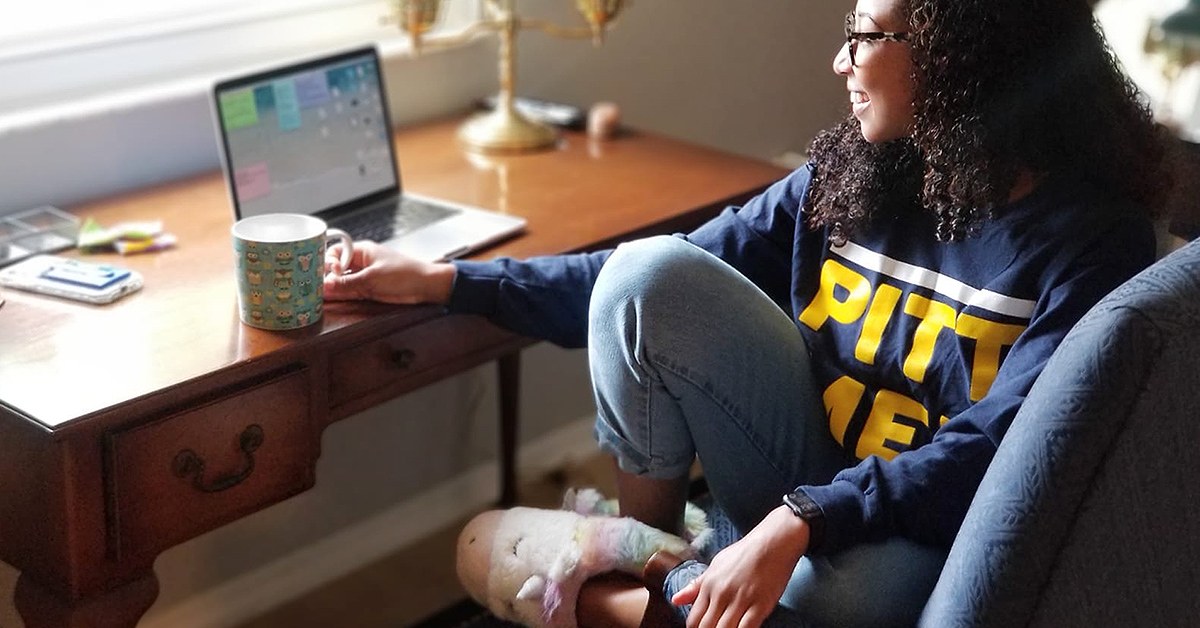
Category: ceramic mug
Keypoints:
(280, 261)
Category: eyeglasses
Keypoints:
(853, 36)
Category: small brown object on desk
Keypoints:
(604, 120)
(129, 428)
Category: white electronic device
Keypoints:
(68, 278)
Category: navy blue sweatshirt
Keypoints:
(924, 350)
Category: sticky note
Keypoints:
(238, 110)
(264, 97)
(312, 89)
(287, 106)
(252, 181)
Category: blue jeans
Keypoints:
(689, 359)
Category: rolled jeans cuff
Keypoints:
(636, 462)
(680, 577)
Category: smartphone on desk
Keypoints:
(89, 282)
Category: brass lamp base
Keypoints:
(505, 131)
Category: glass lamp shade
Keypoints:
(598, 13)
(417, 16)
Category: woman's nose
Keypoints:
(841, 62)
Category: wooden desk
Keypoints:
(99, 404)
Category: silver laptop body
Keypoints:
(315, 138)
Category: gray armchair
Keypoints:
(1090, 513)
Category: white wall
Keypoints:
(748, 78)
(752, 78)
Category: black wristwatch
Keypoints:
(804, 507)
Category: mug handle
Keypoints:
(347, 246)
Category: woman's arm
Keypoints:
(547, 297)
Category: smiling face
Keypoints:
(880, 79)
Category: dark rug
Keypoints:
(467, 614)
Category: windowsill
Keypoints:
(82, 149)
(171, 89)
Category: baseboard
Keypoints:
(256, 592)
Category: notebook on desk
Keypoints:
(315, 138)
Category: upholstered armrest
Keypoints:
(1090, 513)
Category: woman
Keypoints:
(859, 337)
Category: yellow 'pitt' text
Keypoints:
(875, 307)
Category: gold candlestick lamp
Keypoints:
(504, 129)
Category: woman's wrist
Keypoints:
(439, 283)
(794, 531)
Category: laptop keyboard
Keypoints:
(391, 221)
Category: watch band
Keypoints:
(804, 507)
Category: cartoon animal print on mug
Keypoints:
(283, 283)
(306, 288)
(256, 316)
(283, 258)
(255, 278)
(252, 259)
(256, 297)
(284, 295)
(284, 317)
(305, 261)
(303, 317)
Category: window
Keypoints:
(1126, 24)
(63, 52)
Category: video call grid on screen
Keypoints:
(308, 140)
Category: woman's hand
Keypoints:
(382, 274)
(745, 580)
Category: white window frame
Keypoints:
(71, 74)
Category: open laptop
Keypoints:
(315, 138)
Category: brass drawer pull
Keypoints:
(403, 358)
(188, 463)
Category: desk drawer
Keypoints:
(446, 342)
(203, 467)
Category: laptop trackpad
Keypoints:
(455, 236)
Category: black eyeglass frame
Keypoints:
(853, 36)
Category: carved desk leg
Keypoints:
(119, 608)
(510, 395)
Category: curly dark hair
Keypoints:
(1001, 86)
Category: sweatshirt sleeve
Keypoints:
(547, 297)
(924, 493)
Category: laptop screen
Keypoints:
(308, 137)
